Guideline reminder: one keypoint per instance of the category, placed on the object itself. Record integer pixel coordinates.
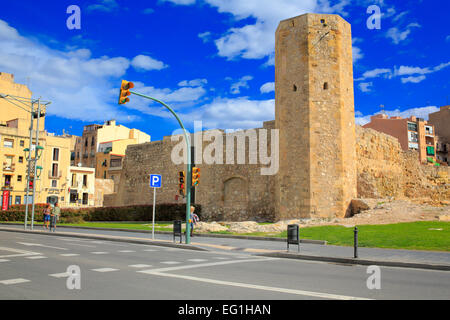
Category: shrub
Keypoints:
(164, 212)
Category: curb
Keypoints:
(353, 261)
(109, 238)
(226, 236)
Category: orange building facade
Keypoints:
(413, 134)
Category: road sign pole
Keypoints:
(188, 164)
(153, 219)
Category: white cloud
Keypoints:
(205, 36)
(414, 79)
(104, 6)
(268, 87)
(365, 86)
(146, 63)
(242, 83)
(239, 113)
(398, 36)
(193, 83)
(180, 2)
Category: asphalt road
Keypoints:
(35, 266)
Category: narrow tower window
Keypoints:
(295, 88)
(325, 86)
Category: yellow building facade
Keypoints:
(51, 181)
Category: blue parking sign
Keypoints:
(155, 180)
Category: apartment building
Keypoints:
(441, 121)
(103, 147)
(81, 187)
(413, 134)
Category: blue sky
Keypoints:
(211, 60)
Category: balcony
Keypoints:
(7, 186)
(54, 175)
(9, 167)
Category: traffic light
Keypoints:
(30, 184)
(181, 184)
(195, 176)
(125, 91)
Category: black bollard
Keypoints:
(355, 243)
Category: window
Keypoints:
(17, 200)
(86, 142)
(413, 136)
(19, 178)
(85, 198)
(54, 183)
(55, 154)
(73, 196)
(22, 143)
(74, 180)
(85, 180)
(93, 141)
(55, 170)
(412, 126)
(8, 143)
(430, 151)
(20, 159)
(325, 86)
(7, 181)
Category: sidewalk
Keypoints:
(308, 251)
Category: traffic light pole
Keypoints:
(189, 165)
(36, 150)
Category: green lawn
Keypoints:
(422, 235)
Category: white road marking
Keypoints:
(69, 254)
(197, 260)
(14, 281)
(99, 252)
(82, 245)
(150, 250)
(171, 262)
(105, 270)
(126, 251)
(211, 264)
(60, 275)
(259, 287)
(4, 260)
(36, 257)
(40, 245)
(19, 253)
(139, 265)
(221, 258)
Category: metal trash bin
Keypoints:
(177, 230)
(293, 235)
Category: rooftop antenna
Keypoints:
(382, 109)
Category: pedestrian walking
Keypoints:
(54, 216)
(194, 219)
(47, 213)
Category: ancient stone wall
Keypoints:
(385, 170)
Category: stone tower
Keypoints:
(314, 113)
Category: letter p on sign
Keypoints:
(155, 181)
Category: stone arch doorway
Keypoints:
(235, 193)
